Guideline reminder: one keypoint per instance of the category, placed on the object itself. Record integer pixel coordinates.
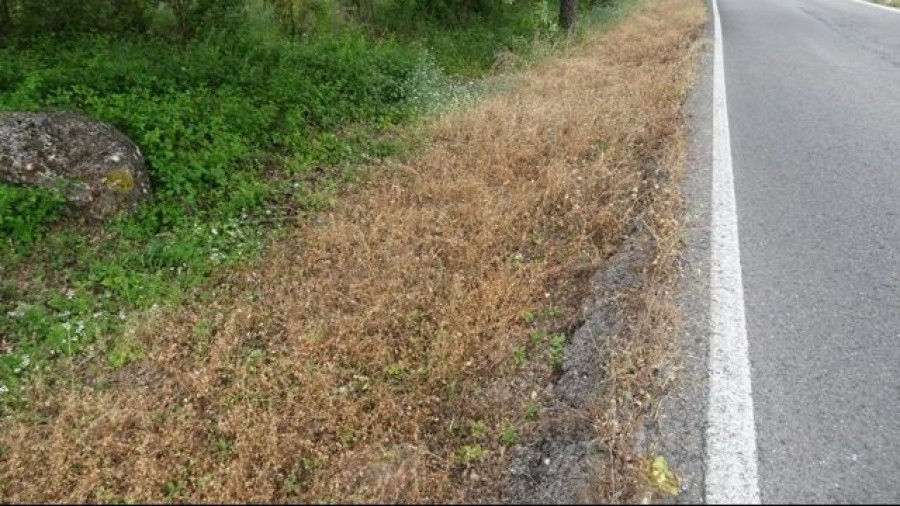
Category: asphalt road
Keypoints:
(813, 93)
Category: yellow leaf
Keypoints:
(663, 478)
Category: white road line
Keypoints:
(895, 10)
(731, 465)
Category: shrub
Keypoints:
(26, 212)
(207, 115)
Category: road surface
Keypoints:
(813, 99)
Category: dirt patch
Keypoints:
(401, 347)
(557, 467)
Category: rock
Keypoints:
(98, 169)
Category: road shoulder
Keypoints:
(678, 431)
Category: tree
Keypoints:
(5, 18)
(182, 11)
(67, 17)
(568, 14)
(5, 15)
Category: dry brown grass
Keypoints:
(374, 336)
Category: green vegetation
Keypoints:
(520, 356)
(531, 411)
(471, 454)
(468, 42)
(478, 429)
(557, 351)
(250, 113)
(25, 212)
(509, 436)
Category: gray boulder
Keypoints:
(98, 169)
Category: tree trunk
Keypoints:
(568, 14)
(181, 10)
(5, 17)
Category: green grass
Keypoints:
(471, 454)
(509, 436)
(25, 212)
(469, 47)
(557, 351)
(237, 136)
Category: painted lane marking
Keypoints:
(731, 463)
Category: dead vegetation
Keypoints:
(390, 350)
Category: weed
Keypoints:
(520, 355)
(477, 429)
(203, 330)
(348, 438)
(292, 485)
(531, 411)
(173, 489)
(509, 436)
(310, 464)
(550, 313)
(225, 445)
(471, 454)
(255, 359)
(529, 316)
(557, 351)
(396, 371)
(107, 496)
(537, 338)
(123, 352)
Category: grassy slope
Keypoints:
(243, 134)
(228, 151)
(392, 349)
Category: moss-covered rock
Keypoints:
(98, 169)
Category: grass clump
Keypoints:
(471, 454)
(509, 436)
(557, 351)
